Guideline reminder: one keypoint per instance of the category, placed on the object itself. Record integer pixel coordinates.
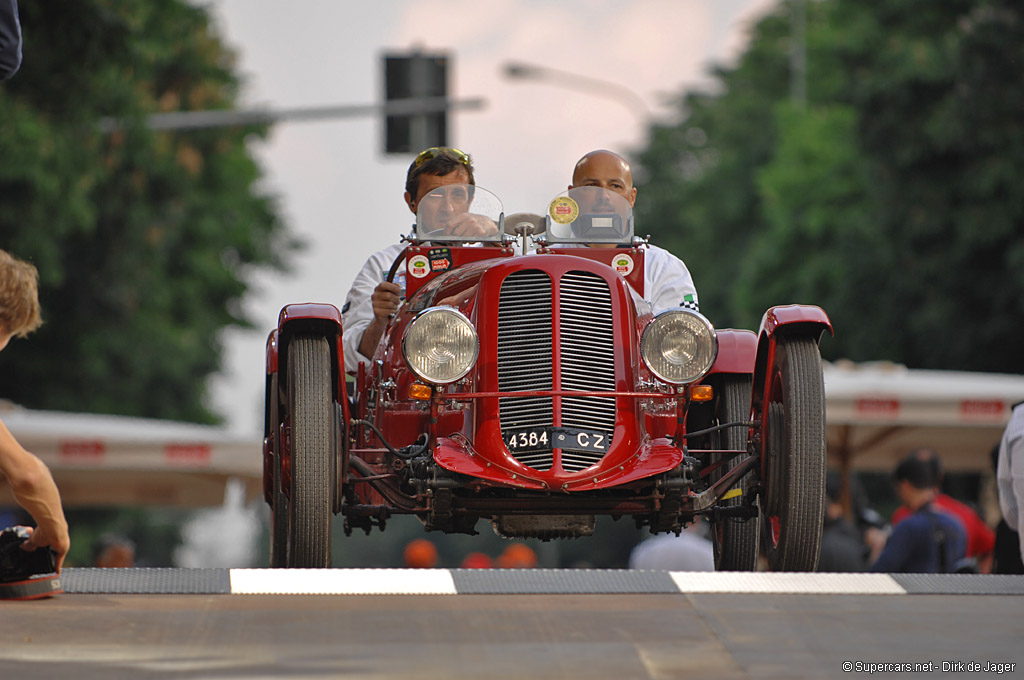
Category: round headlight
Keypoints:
(440, 345)
(679, 346)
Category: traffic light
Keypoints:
(415, 75)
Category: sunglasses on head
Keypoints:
(438, 151)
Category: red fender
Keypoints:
(317, 318)
(737, 351)
(785, 321)
(310, 317)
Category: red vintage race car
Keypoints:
(539, 392)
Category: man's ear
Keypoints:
(632, 197)
(410, 202)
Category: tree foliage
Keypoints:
(891, 197)
(143, 239)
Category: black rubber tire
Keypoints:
(279, 501)
(735, 540)
(313, 442)
(794, 434)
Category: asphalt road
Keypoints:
(620, 635)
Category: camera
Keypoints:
(17, 564)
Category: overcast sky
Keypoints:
(338, 191)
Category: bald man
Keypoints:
(667, 281)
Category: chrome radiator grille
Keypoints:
(587, 357)
(524, 357)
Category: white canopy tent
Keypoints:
(877, 412)
(120, 460)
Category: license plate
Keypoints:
(573, 439)
(547, 438)
(533, 439)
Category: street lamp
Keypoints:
(594, 86)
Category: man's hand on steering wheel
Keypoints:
(385, 299)
(471, 224)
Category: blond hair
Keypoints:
(19, 296)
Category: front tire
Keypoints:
(794, 444)
(279, 501)
(735, 540)
(313, 445)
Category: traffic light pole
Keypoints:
(194, 120)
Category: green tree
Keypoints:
(143, 239)
(888, 197)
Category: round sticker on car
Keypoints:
(419, 266)
(564, 210)
(623, 264)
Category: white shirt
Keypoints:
(1010, 473)
(667, 281)
(357, 314)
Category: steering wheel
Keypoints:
(394, 267)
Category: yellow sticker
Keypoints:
(564, 210)
(419, 266)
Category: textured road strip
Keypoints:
(215, 581)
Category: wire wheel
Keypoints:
(313, 434)
(794, 441)
(735, 540)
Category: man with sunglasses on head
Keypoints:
(667, 281)
(372, 300)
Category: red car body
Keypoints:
(559, 357)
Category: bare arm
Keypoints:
(385, 300)
(35, 490)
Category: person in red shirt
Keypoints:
(981, 539)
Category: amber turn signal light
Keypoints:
(701, 393)
(420, 391)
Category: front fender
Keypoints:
(315, 319)
(790, 321)
(299, 319)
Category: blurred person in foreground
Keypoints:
(929, 540)
(1010, 474)
(10, 39)
(691, 550)
(667, 281)
(30, 479)
(372, 300)
(981, 539)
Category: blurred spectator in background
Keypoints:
(981, 540)
(691, 550)
(928, 540)
(420, 554)
(112, 550)
(477, 560)
(10, 39)
(842, 544)
(517, 556)
(1010, 478)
